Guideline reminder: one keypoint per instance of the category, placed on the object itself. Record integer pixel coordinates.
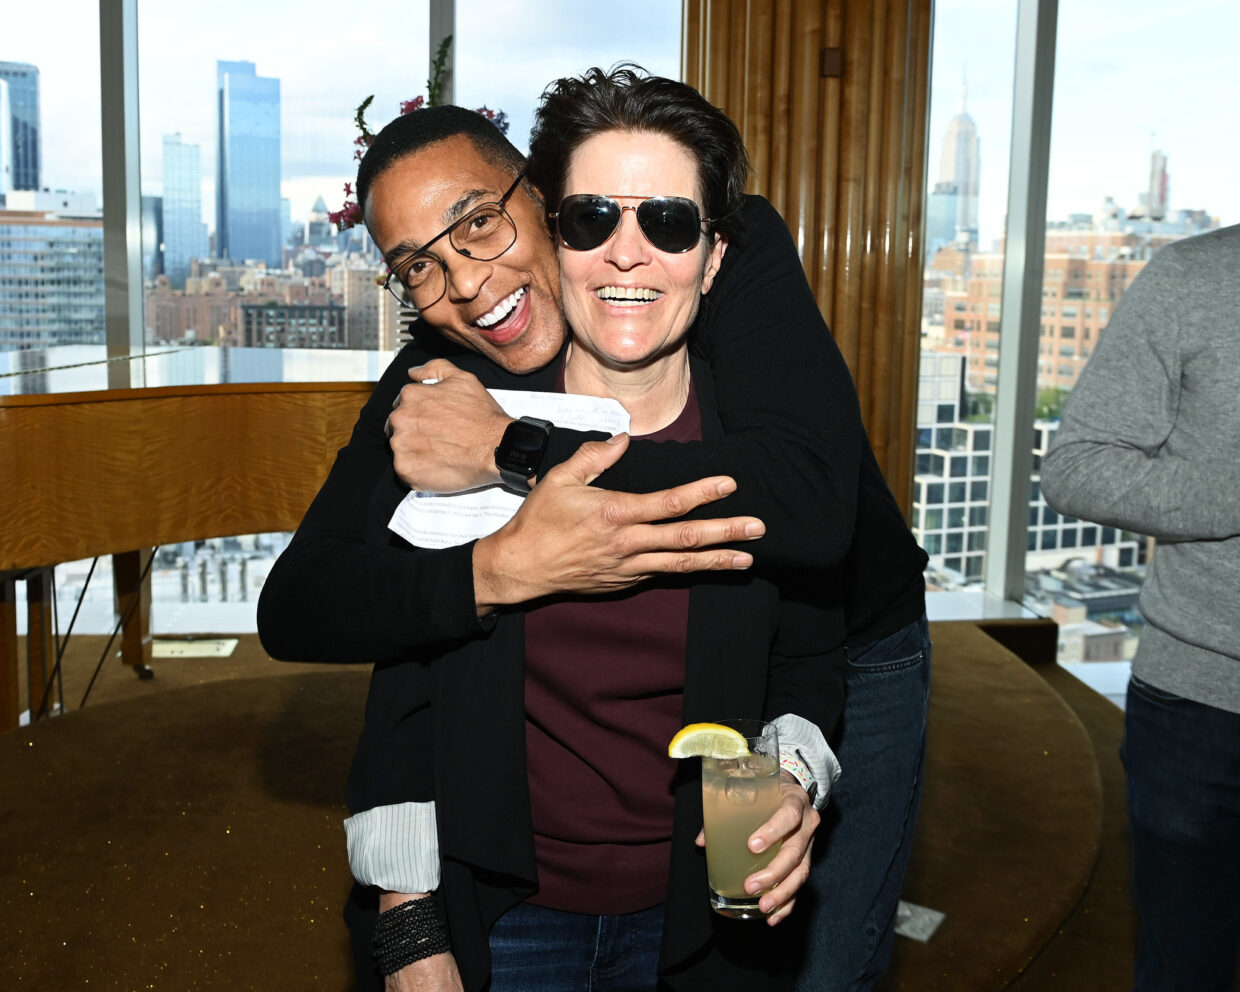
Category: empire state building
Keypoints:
(960, 166)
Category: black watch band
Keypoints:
(521, 451)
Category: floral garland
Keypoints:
(350, 214)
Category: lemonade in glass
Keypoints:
(739, 794)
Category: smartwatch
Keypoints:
(521, 452)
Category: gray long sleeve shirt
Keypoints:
(1150, 442)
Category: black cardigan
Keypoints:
(347, 590)
(464, 708)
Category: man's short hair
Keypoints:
(414, 131)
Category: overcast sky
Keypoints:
(1130, 76)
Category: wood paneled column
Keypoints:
(831, 98)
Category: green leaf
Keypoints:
(434, 85)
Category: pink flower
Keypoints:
(350, 215)
(496, 117)
(409, 106)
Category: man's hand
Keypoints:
(793, 823)
(434, 974)
(570, 537)
(444, 434)
(437, 973)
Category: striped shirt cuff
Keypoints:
(806, 755)
(395, 847)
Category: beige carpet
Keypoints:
(184, 832)
(189, 840)
(1010, 821)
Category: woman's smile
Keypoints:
(628, 302)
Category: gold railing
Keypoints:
(114, 472)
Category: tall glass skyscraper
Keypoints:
(247, 189)
(184, 233)
(25, 149)
(6, 144)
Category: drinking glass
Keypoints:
(738, 796)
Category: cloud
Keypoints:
(1127, 79)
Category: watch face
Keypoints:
(522, 448)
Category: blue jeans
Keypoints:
(1183, 764)
(534, 949)
(862, 848)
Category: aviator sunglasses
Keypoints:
(670, 223)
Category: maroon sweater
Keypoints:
(604, 681)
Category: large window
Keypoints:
(966, 197)
(246, 122)
(51, 224)
(247, 148)
(1137, 159)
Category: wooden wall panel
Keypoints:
(920, 38)
(843, 159)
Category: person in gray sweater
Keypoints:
(1150, 442)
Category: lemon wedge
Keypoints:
(708, 740)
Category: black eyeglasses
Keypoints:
(586, 220)
(486, 232)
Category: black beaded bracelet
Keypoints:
(407, 933)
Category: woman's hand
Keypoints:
(793, 823)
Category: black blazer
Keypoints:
(465, 708)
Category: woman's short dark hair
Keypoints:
(629, 99)
(414, 131)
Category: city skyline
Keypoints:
(1105, 48)
(324, 73)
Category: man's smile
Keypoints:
(502, 310)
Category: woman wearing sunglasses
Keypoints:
(567, 837)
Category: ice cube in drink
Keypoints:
(738, 796)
